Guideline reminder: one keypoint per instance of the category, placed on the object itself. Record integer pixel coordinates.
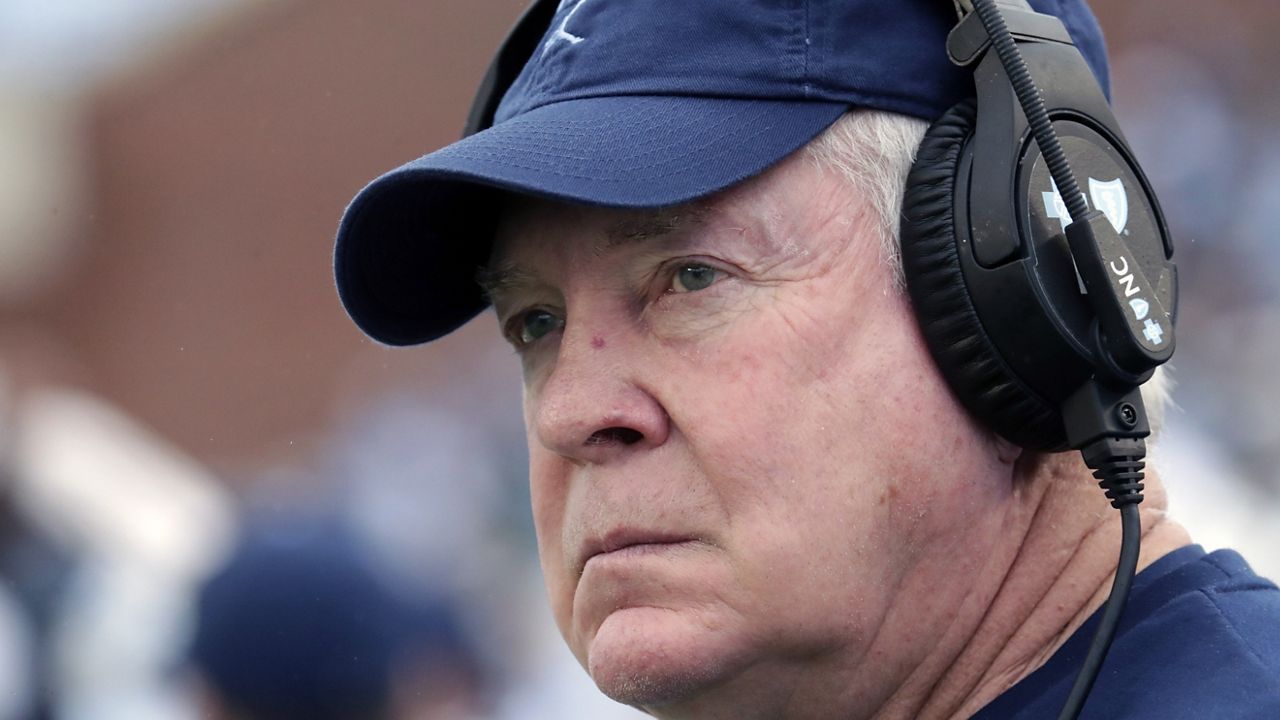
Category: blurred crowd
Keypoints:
(360, 546)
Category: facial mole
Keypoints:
(889, 494)
(597, 342)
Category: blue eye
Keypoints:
(693, 277)
(533, 325)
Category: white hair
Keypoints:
(874, 152)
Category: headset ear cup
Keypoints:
(981, 379)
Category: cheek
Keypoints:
(795, 388)
(792, 448)
(936, 466)
(844, 429)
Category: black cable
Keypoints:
(1101, 643)
(1117, 462)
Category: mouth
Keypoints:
(628, 542)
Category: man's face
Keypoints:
(744, 465)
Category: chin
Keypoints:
(651, 657)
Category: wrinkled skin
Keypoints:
(754, 495)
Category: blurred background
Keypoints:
(181, 395)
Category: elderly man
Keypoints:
(756, 494)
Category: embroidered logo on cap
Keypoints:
(561, 33)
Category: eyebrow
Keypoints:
(497, 280)
(652, 224)
(639, 227)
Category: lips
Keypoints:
(623, 538)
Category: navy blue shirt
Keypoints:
(1199, 638)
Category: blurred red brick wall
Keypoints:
(205, 303)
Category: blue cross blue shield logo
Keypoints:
(1111, 198)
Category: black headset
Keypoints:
(1045, 308)
(995, 279)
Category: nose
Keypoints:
(594, 406)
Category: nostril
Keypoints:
(621, 435)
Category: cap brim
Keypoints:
(410, 243)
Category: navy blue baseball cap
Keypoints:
(640, 104)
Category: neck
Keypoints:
(1061, 542)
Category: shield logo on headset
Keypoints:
(1110, 198)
